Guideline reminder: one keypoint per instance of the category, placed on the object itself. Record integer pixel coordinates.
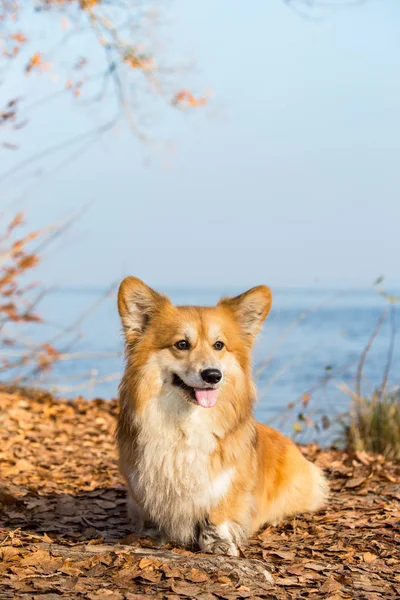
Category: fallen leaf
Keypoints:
(316, 566)
(185, 589)
(224, 580)
(127, 573)
(369, 557)
(8, 553)
(353, 483)
(104, 594)
(288, 581)
(330, 585)
(172, 571)
(196, 576)
(285, 555)
(42, 561)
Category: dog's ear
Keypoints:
(137, 303)
(250, 308)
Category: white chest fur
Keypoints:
(171, 478)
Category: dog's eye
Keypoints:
(219, 345)
(182, 345)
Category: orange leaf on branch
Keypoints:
(31, 318)
(185, 99)
(28, 261)
(139, 61)
(35, 62)
(87, 4)
(51, 351)
(19, 244)
(17, 220)
(47, 357)
(19, 37)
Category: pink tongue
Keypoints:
(206, 398)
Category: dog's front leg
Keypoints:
(224, 538)
(140, 521)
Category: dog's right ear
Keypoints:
(137, 303)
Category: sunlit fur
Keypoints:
(210, 476)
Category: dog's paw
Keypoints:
(221, 539)
(150, 529)
(223, 547)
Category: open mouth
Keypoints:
(205, 397)
(176, 380)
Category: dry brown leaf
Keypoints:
(355, 482)
(96, 541)
(8, 553)
(127, 573)
(42, 562)
(23, 465)
(147, 562)
(182, 551)
(364, 457)
(196, 576)
(150, 575)
(132, 538)
(172, 571)
(316, 566)
(265, 533)
(105, 594)
(288, 555)
(369, 557)
(331, 585)
(287, 581)
(69, 569)
(185, 589)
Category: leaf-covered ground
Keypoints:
(64, 531)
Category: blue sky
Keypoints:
(289, 177)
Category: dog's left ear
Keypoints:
(250, 308)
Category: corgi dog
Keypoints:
(199, 468)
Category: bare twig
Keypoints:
(60, 146)
(72, 327)
(282, 370)
(390, 350)
(322, 382)
(289, 328)
(367, 349)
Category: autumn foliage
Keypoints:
(93, 50)
(120, 54)
(64, 529)
(15, 262)
(19, 298)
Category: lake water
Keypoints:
(311, 344)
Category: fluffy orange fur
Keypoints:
(210, 476)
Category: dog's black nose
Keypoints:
(211, 375)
